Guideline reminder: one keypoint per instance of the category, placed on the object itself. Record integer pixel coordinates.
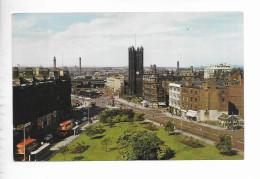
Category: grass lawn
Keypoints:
(97, 152)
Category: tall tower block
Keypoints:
(135, 69)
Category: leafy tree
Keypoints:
(63, 150)
(90, 131)
(139, 117)
(142, 145)
(106, 142)
(224, 144)
(169, 127)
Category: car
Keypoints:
(84, 119)
(48, 138)
(237, 127)
(77, 122)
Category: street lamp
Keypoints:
(23, 127)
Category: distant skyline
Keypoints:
(102, 39)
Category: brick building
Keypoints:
(41, 101)
(202, 101)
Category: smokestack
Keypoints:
(191, 67)
(178, 66)
(54, 62)
(80, 65)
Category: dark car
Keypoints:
(48, 138)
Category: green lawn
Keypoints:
(97, 152)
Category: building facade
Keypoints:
(135, 71)
(213, 71)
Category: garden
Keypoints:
(123, 135)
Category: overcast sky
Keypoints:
(102, 39)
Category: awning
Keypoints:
(191, 113)
(77, 126)
(145, 102)
(161, 104)
(40, 149)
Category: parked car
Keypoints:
(236, 127)
(77, 122)
(84, 119)
(48, 138)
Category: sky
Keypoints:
(102, 39)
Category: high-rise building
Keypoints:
(135, 69)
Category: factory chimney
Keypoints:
(54, 62)
(80, 65)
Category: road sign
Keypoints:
(27, 124)
(20, 127)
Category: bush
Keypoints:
(142, 145)
(192, 143)
(169, 127)
(224, 144)
(116, 115)
(139, 117)
(151, 127)
(80, 148)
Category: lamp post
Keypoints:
(23, 127)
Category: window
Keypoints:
(190, 91)
(187, 99)
(191, 99)
(223, 100)
(195, 107)
(195, 99)
(191, 106)
(195, 92)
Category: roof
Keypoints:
(65, 123)
(144, 102)
(40, 148)
(191, 113)
(28, 141)
(223, 117)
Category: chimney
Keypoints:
(178, 66)
(80, 65)
(54, 62)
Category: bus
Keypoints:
(65, 128)
(30, 145)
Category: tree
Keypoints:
(106, 142)
(90, 131)
(169, 127)
(224, 144)
(142, 145)
(139, 117)
(63, 150)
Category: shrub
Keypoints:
(139, 117)
(224, 144)
(151, 127)
(80, 148)
(192, 143)
(142, 145)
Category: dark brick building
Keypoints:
(135, 78)
(43, 101)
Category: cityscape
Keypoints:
(133, 106)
